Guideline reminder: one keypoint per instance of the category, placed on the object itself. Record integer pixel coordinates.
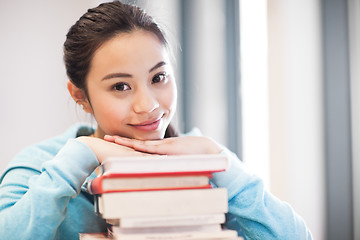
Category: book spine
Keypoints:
(186, 220)
(95, 186)
(163, 203)
(201, 235)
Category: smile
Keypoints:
(148, 125)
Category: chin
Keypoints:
(150, 136)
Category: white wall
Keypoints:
(296, 115)
(34, 101)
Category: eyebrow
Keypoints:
(127, 75)
(160, 64)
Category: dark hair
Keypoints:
(97, 26)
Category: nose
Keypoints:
(144, 101)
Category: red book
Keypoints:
(148, 182)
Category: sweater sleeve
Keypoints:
(34, 200)
(255, 212)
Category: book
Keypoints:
(185, 220)
(182, 235)
(161, 197)
(119, 182)
(172, 229)
(165, 164)
(116, 205)
(223, 235)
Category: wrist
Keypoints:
(213, 147)
(90, 142)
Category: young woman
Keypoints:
(117, 60)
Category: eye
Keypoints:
(121, 86)
(160, 77)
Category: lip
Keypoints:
(151, 125)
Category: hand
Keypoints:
(170, 146)
(104, 149)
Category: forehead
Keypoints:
(136, 44)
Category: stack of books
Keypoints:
(160, 198)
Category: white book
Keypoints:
(200, 235)
(162, 203)
(172, 229)
(165, 164)
(101, 236)
(185, 220)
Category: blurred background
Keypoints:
(277, 81)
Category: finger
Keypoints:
(151, 142)
(125, 141)
(112, 138)
(109, 138)
(138, 145)
(159, 147)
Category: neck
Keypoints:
(98, 134)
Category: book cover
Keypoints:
(125, 182)
(165, 164)
(162, 203)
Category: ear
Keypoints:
(79, 96)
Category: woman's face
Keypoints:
(131, 87)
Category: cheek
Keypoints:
(169, 98)
(109, 110)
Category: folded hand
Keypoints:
(169, 146)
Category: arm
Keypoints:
(33, 203)
(257, 212)
(252, 210)
(34, 196)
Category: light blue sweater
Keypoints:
(43, 196)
